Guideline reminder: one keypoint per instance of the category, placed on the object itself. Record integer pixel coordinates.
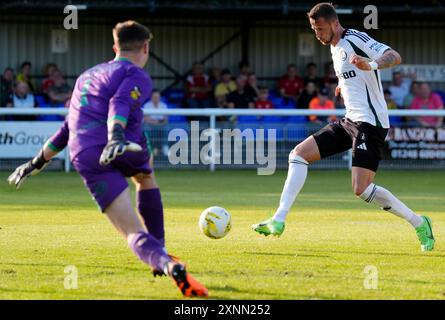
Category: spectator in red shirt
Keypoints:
(48, 72)
(198, 87)
(291, 85)
(263, 101)
(322, 102)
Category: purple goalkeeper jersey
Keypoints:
(113, 90)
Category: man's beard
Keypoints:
(326, 43)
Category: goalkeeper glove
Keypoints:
(117, 146)
(31, 168)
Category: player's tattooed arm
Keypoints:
(389, 59)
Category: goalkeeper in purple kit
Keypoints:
(104, 133)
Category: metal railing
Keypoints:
(213, 114)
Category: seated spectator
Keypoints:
(414, 91)
(222, 90)
(389, 101)
(251, 86)
(291, 85)
(330, 78)
(60, 92)
(6, 87)
(263, 101)
(23, 98)
(427, 100)
(48, 72)
(400, 87)
(25, 76)
(198, 88)
(244, 71)
(312, 76)
(157, 122)
(309, 93)
(215, 77)
(239, 99)
(339, 102)
(322, 102)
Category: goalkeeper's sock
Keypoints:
(296, 176)
(149, 204)
(388, 202)
(150, 251)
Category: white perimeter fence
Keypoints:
(407, 146)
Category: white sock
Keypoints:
(296, 176)
(388, 202)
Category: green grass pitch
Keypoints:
(330, 238)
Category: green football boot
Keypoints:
(269, 227)
(425, 234)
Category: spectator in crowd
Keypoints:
(215, 77)
(309, 93)
(389, 101)
(414, 91)
(23, 98)
(157, 123)
(400, 87)
(222, 90)
(198, 87)
(244, 71)
(312, 76)
(25, 76)
(330, 78)
(251, 86)
(48, 71)
(322, 102)
(6, 86)
(263, 101)
(339, 102)
(239, 98)
(60, 92)
(291, 85)
(427, 100)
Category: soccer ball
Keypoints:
(215, 222)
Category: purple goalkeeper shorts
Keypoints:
(106, 183)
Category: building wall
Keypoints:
(272, 44)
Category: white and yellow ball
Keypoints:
(215, 222)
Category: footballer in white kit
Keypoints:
(357, 59)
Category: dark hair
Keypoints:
(263, 88)
(324, 10)
(243, 64)
(8, 69)
(24, 64)
(311, 64)
(131, 35)
(225, 71)
(292, 65)
(155, 91)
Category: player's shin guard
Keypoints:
(296, 176)
(150, 251)
(388, 202)
(149, 205)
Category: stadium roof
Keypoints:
(174, 7)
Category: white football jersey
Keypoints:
(362, 91)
